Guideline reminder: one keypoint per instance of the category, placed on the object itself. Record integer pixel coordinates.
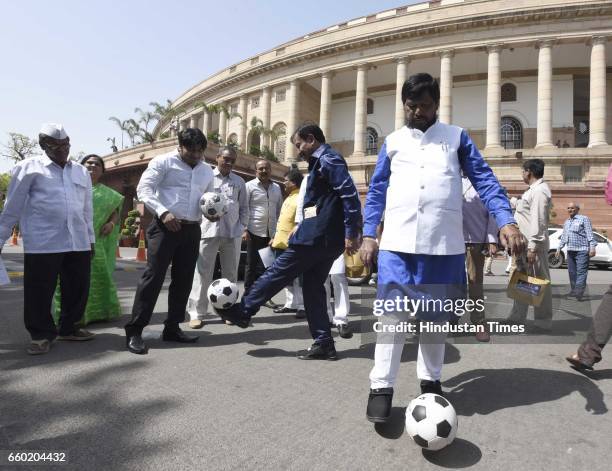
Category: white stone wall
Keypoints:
(469, 107)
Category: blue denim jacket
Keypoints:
(331, 189)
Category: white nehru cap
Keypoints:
(54, 130)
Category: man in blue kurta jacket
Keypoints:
(417, 185)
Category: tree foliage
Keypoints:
(4, 183)
(19, 147)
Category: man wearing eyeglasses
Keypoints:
(50, 197)
(578, 236)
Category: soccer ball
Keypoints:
(213, 204)
(222, 293)
(431, 421)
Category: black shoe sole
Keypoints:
(306, 357)
(378, 420)
(138, 352)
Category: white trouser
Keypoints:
(229, 255)
(293, 296)
(488, 264)
(388, 353)
(509, 266)
(342, 302)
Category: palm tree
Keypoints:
(123, 125)
(160, 110)
(133, 130)
(146, 117)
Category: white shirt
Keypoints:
(424, 198)
(233, 223)
(169, 184)
(264, 207)
(53, 206)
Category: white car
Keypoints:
(603, 252)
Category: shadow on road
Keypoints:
(459, 454)
(514, 387)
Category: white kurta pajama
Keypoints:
(417, 184)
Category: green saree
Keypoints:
(103, 302)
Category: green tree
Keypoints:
(123, 125)
(19, 147)
(5, 178)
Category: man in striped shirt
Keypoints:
(578, 236)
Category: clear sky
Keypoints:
(80, 62)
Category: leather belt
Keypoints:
(185, 221)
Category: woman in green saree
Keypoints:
(103, 303)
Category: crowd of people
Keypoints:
(444, 213)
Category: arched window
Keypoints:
(280, 140)
(508, 92)
(511, 133)
(371, 141)
(370, 106)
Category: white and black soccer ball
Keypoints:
(213, 204)
(431, 421)
(222, 293)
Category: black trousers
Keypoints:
(314, 264)
(254, 266)
(41, 272)
(165, 247)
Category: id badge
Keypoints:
(310, 212)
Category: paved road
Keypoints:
(240, 400)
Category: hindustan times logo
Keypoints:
(404, 304)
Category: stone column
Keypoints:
(361, 116)
(446, 87)
(493, 98)
(597, 104)
(223, 125)
(193, 121)
(243, 124)
(206, 122)
(266, 100)
(544, 133)
(182, 125)
(292, 120)
(326, 98)
(401, 75)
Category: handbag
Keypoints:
(354, 266)
(527, 289)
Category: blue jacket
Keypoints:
(331, 189)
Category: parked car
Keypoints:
(603, 252)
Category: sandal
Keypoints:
(575, 361)
(39, 347)
(78, 335)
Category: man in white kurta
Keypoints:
(417, 184)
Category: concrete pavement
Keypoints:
(240, 400)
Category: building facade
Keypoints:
(526, 78)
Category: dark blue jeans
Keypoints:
(314, 264)
(578, 269)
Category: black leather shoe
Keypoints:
(318, 352)
(300, 314)
(283, 310)
(178, 336)
(235, 315)
(136, 345)
(379, 405)
(345, 331)
(433, 387)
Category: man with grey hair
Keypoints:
(578, 236)
(50, 197)
(223, 236)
